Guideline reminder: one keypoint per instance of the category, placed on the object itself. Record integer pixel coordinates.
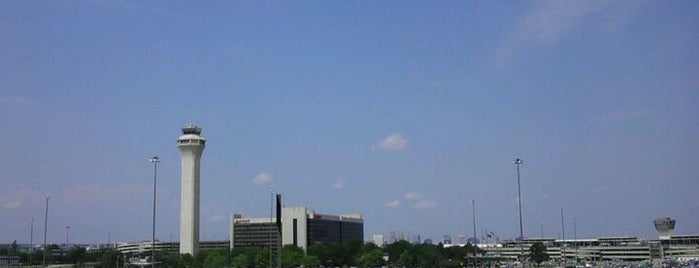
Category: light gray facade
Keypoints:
(191, 145)
(300, 226)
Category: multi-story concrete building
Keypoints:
(253, 232)
(300, 226)
(142, 248)
(377, 239)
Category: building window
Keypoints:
(295, 233)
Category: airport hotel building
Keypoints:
(299, 226)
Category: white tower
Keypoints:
(191, 145)
(665, 226)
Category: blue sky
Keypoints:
(401, 111)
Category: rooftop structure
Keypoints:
(665, 226)
(300, 226)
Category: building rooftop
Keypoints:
(191, 129)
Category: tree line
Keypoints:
(54, 254)
(353, 253)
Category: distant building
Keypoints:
(417, 239)
(676, 247)
(253, 233)
(10, 261)
(144, 248)
(378, 240)
(462, 239)
(300, 226)
(392, 237)
(446, 240)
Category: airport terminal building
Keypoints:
(299, 226)
(619, 248)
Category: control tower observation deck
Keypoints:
(665, 226)
(191, 145)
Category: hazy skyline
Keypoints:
(400, 111)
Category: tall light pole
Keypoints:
(575, 231)
(563, 245)
(155, 160)
(271, 224)
(46, 221)
(542, 230)
(31, 242)
(518, 162)
(67, 232)
(475, 252)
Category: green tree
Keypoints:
(310, 261)
(110, 258)
(187, 260)
(451, 263)
(349, 252)
(49, 254)
(427, 255)
(397, 248)
(241, 261)
(13, 248)
(328, 255)
(371, 258)
(167, 259)
(199, 258)
(291, 256)
(261, 258)
(76, 255)
(216, 258)
(537, 253)
(406, 259)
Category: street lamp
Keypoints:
(155, 160)
(518, 162)
(475, 240)
(563, 243)
(575, 231)
(542, 230)
(31, 242)
(271, 224)
(67, 232)
(46, 221)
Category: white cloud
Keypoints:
(338, 184)
(19, 197)
(394, 142)
(12, 204)
(550, 21)
(393, 204)
(425, 204)
(262, 178)
(413, 196)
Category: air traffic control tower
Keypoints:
(191, 145)
(665, 226)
